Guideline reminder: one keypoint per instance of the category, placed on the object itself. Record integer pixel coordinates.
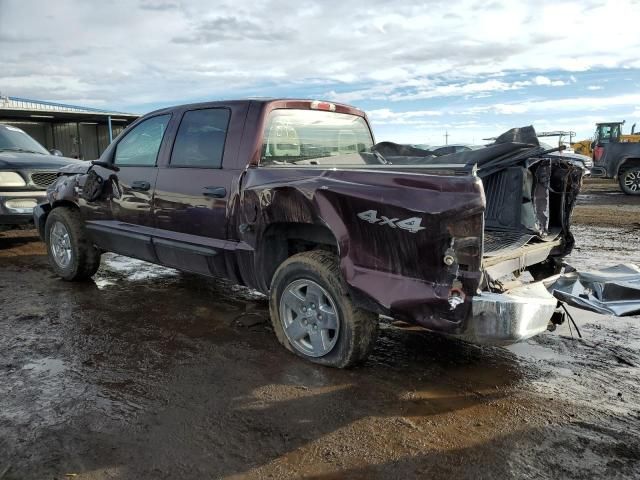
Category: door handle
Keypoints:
(214, 192)
(140, 186)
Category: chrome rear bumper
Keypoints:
(506, 318)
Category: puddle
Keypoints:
(51, 366)
(532, 351)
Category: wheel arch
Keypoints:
(282, 240)
(42, 211)
(64, 203)
(628, 162)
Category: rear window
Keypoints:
(314, 137)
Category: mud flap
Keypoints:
(609, 291)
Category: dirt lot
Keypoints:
(147, 373)
(603, 204)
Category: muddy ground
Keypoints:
(150, 374)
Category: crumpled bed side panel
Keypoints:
(609, 291)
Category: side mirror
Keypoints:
(107, 165)
(593, 145)
(56, 152)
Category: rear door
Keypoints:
(123, 221)
(193, 189)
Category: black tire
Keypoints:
(358, 329)
(84, 256)
(629, 180)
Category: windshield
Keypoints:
(12, 138)
(314, 137)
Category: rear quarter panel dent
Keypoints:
(378, 260)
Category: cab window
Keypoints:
(200, 139)
(141, 145)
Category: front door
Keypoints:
(123, 222)
(192, 190)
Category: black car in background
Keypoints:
(26, 170)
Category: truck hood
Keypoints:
(23, 160)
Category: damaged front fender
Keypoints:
(82, 182)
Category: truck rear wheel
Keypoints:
(629, 180)
(71, 255)
(312, 313)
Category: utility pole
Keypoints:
(446, 137)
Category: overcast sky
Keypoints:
(472, 68)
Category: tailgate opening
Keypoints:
(527, 217)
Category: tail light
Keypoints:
(597, 153)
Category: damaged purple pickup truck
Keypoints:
(293, 198)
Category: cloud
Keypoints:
(379, 45)
(219, 29)
(575, 104)
(423, 88)
(464, 59)
(385, 116)
(18, 37)
(546, 81)
(158, 5)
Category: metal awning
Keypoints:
(24, 109)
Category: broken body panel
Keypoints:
(438, 242)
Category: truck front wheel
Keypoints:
(71, 254)
(629, 180)
(312, 313)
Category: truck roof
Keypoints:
(306, 104)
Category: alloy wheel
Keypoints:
(309, 318)
(60, 242)
(632, 180)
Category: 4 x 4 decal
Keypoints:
(412, 224)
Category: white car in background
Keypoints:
(569, 153)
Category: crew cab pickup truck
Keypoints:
(293, 198)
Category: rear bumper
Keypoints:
(16, 208)
(506, 318)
